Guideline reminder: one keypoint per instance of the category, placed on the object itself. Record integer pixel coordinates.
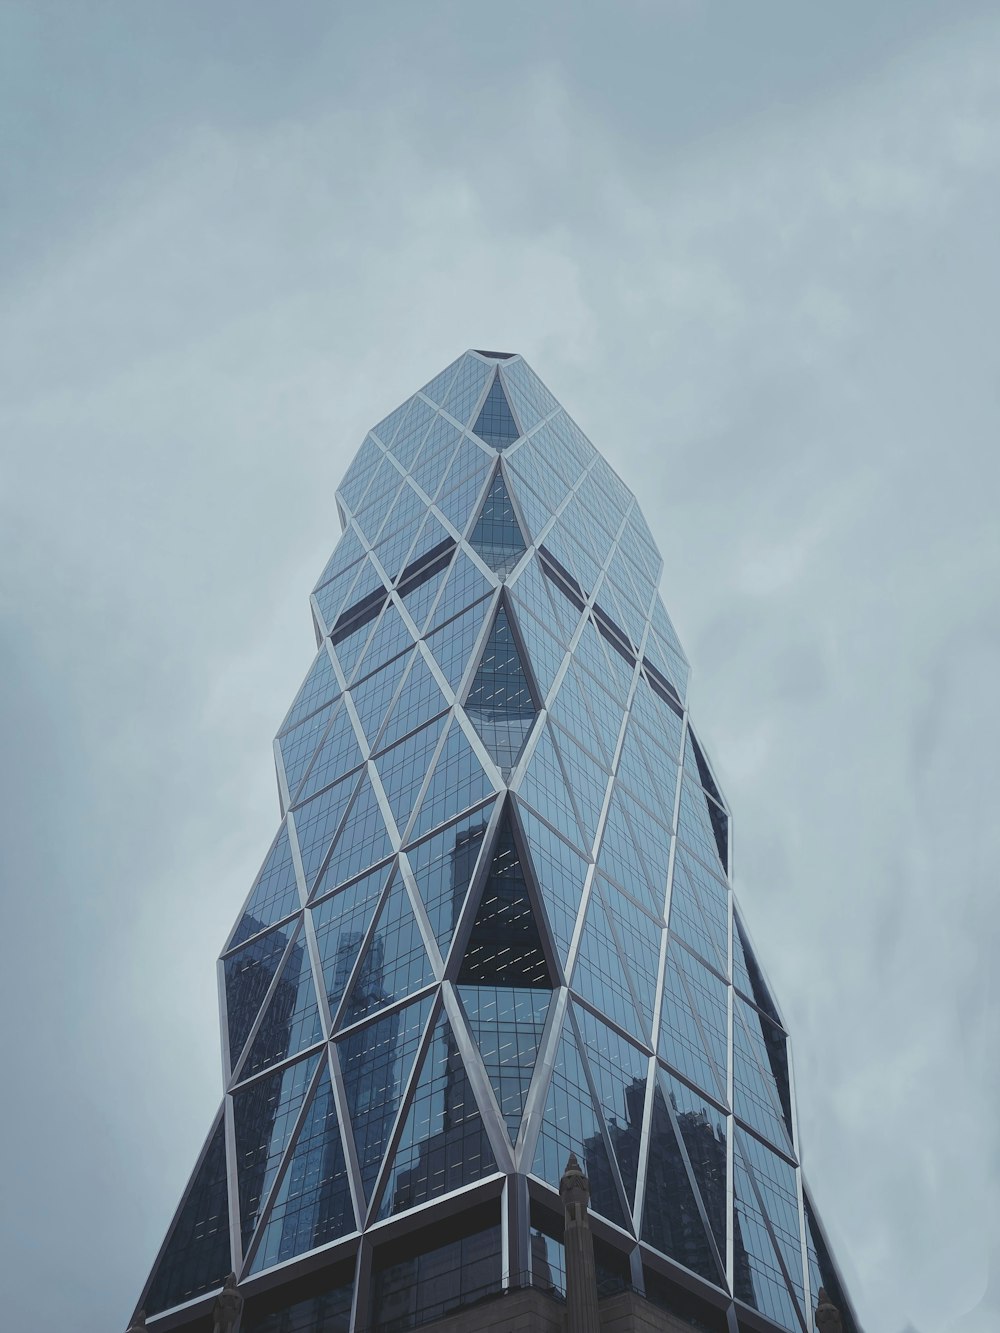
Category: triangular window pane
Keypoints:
(299, 745)
(317, 821)
(196, 1258)
(684, 1038)
(319, 687)
(443, 867)
(249, 973)
(264, 1115)
(619, 1071)
(495, 423)
(640, 938)
(505, 948)
(756, 1096)
(703, 1131)
(466, 584)
(374, 694)
(376, 1061)
(499, 702)
(443, 1144)
(291, 1021)
(465, 388)
(418, 597)
(778, 1195)
(507, 1024)
(671, 1221)
(395, 963)
(588, 782)
(599, 973)
(572, 1124)
(458, 781)
(457, 501)
(275, 892)
(544, 788)
(391, 638)
(420, 700)
(341, 923)
(313, 1203)
(544, 653)
(452, 644)
(363, 841)
(339, 754)
(559, 873)
(497, 536)
(699, 911)
(404, 767)
(757, 1276)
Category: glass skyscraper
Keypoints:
(495, 926)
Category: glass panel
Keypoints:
(437, 389)
(777, 1190)
(362, 842)
(619, 1072)
(299, 745)
(453, 644)
(326, 1311)
(756, 1098)
(419, 700)
(345, 555)
(359, 474)
(497, 537)
(670, 1218)
(341, 923)
(599, 973)
(318, 688)
(499, 702)
(418, 597)
(443, 868)
(694, 825)
(507, 1024)
(390, 638)
(424, 1287)
(291, 1021)
(274, 894)
(457, 502)
(699, 911)
(619, 860)
(653, 843)
(404, 767)
(495, 424)
(466, 584)
(317, 821)
(443, 1144)
(588, 783)
(387, 428)
(249, 974)
(313, 1202)
(264, 1115)
(559, 872)
(544, 788)
(196, 1258)
(571, 1124)
(758, 1279)
(684, 1041)
(373, 696)
(524, 385)
(410, 435)
(544, 653)
(458, 781)
(376, 1061)
(463, 393)
(640, 938)
(338, 755)
(395, 963)
(505, 948)
(571, 712)
(703, 1131)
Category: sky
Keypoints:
(753, 250)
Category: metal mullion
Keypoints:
(318, 974)
(482, 1088)
(487, 761)
(404, 1002)
(366, 939)
(769, 1227)
(730, 1094)
(698, 1022)
(549, 416)
(799, 1182)
(402, 1111)
(480, 873)
(714, 1098)
(644, 1149)
(515, 504)
(541, 1079)
(361, 1296)
(264, 1214)
(427, 936)
(284, 721)
(346, 1134)
(424, 785)
(355, 774)
(626, 969)
(609, 1022)
(767, 1078)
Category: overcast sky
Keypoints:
(753, 250)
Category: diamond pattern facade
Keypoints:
(496, 923)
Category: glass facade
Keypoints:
(496, 924)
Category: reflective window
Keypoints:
(420, 700)
(685, 1040)
(619, 1071)
(318, 688)
(699, 910)
(497, 536)
(312, 1205)
(757, 1275)
(387, 428)
(670, 1218)
(391, 637)
(341, 923)
(264, 1114)
(777, 1193)
(466, 584)
(495, 424)
(458, 781)
(196, 1258)
(249, 973)
(640, 938)
(374, 694)
(499, 701)
(299, 745)
(822, 1272)
(410, 436)
(560, 873)
(363, 841)
(418, 596)
(507, 1025)
(703, 1132)
(346, 554)
(437, 389)
(464, 391)
(571, 1124)
(453, 644)
(443, 1144)
(376, 1062)
(423, 1287)
(395, 962)
(404, 767)
(457, 501)
(274, 894)
(544, 653)
(588, 782)
(317, 821)
(291, 1021)
(337, 756)
(524, 386)
(599, 973)
(443, 867)
(325, 1311)
(505, 948)
(544, 788)
(359, 474)
(757, 1098)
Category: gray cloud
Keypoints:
(757, 263)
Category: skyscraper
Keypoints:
(495, 926)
